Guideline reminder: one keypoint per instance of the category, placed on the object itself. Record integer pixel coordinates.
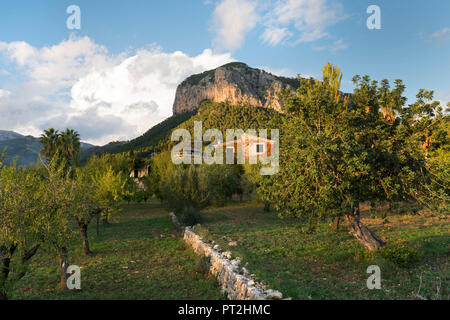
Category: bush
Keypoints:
(203, 265)
(189, 216)
(400, 254)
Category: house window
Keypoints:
(260, 148)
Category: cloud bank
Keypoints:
(79, 84)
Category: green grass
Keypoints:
(141, 256)
(315, 262)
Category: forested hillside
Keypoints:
(148, 141)
(220, 116)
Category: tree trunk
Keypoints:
(98, 224)
(3, 277)
(364, 235)
(336, 222)
(105, 220)
(5, 260)
(84, 236)
(267, 206)
(26, 257)
(63, 268)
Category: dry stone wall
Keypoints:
(236, 282)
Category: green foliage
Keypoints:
(336, 154)
(109, 190)
(62, 145)
(186, 187)
(189, 216)
(198, 186)
(119, 162)
(222, 116)
(151, 141)
(203, 265)
(21, 223)
(162, 167)
(400, 254)
(223, 182)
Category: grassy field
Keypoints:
(139, 257)
(312, 261)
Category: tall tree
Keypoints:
(69, 145)
(330, 151)
(49, 140)
(20, 223)
(64, 145)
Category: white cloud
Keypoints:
(275, 35)
(300, 20)
(141, 89)
(59, 65)
(78, 84)
(335, 46)
(232, 20)
(4, 93)
(441, 35)
(295, 21)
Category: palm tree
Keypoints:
(66, 144)
(49, 140)
(69, 144)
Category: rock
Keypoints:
(233, 243)
(274, 295)
(227, 254)
(216, 247)
(234, 83)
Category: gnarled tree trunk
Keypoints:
(63, 254)
(84, 235)
(4, 276)
(5, 260)
(364, 235)
(336, 222)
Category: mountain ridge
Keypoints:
(24, 149)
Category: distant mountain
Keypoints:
(8, 135)
(149, 140)
(24, 149)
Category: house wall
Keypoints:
(143, 172)
(249, 145)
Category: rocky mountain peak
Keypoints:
(234, 83)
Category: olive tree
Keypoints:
(20, 223)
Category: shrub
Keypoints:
(400, 254)
(189, 216)
(203, 265)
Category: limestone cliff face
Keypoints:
(234, 83)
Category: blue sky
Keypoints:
(116, 76)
